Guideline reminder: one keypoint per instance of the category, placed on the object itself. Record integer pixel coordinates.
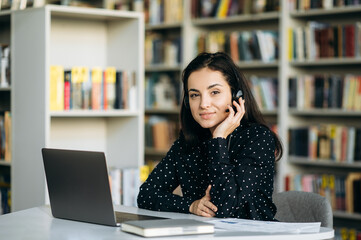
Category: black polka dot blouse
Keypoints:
(241, 176)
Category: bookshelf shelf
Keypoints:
(237, 19)
(95, 113)
(323, 163)
(326, 12)
(257, 64)
(154, 152)
(5, 15)
(174, 111)
(162, 68)
(324, 112)
(326, 62)
(269, 112)
(346, 215)
(163, 26)
(5, 163)
(5, 89)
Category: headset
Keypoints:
(236, 94)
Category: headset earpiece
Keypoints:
(237, 95)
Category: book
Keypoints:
(67, 89)
(96, 91)
(110, 79)
(167, 227)
(56, 88)
(8, 136)
(86, 86)
(350, 194)
(76, 88)
(4, 65)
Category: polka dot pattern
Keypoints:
(241, 177)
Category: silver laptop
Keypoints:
(79, 190)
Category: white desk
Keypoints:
(38, 224)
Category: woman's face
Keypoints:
(209, 94)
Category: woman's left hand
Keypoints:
(231, 122)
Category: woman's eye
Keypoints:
(193, 95)
(215, 92)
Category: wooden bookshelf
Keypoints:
(59, 34)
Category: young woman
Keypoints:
(224, 158)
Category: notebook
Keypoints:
(167, 227)
(78, 187)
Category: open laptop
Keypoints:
(79, 190)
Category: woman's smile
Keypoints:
(207, 115)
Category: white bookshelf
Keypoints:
(70, 36)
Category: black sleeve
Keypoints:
(156, 193)
(242, 187)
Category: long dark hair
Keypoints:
(221, 62)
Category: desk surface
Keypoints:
(38, 223)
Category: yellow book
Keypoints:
(290, 43)
(351, 93)
(357, 94)
(144, 172)
(223, 9)
(110, 77)
(96, 91)
(56, 88)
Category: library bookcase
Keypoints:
(70, 36)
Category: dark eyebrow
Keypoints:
(209, 87)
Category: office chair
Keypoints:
(295, 206)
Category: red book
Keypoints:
(350, 40)
(67, 89)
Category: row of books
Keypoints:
(125, 183)
(265, 91)
(345, 233)
(92, 88)
(165, 11)
(325, 91)
(160, 91)
(160, 132)
(162, 50)
(342, 191)
(322, 40)
(317, 4)
(4, 65)
(5, 194)
(242, 46)
(227, 8)
(5, 137)
(327, 142)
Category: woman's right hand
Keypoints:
(204, 207)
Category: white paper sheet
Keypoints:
(235, 224)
